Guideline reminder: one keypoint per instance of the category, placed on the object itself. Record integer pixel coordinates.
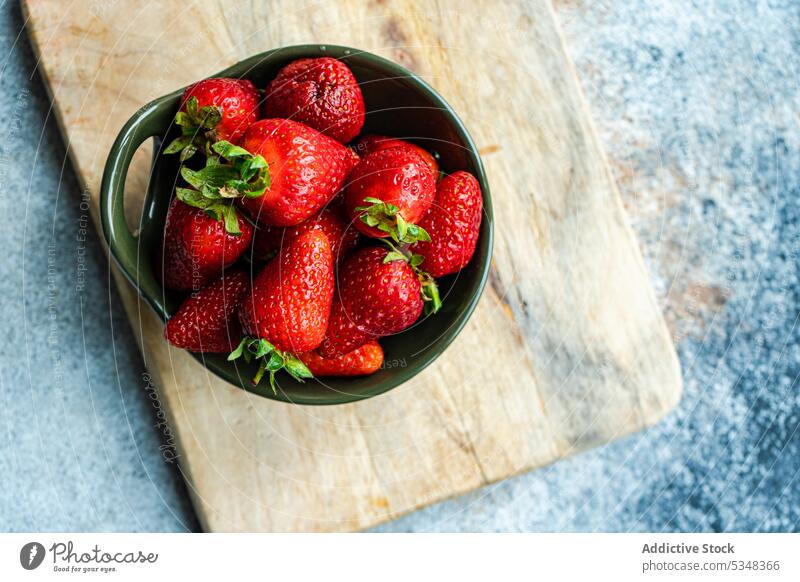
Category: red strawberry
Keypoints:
(206, 321)
(453, 224)
(387, 190)
(343, 334)
(373, 143)
(213, 110)
(238, 99)
(306, 170)
(288, 307)
(377, 299)
(322, 93)
(363, 361)
(197, 247)
(291, 297)
(269, 239)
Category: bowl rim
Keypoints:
(112, 226)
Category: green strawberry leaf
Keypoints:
(192, 197)
(229, 151)
(190, 176)
(416, 260)
(417, 234)
(430, 294)
(394, 256)
(263, 347)
(187, 152)
(210, 116)
(213, 212)
(191, 107)
(296, 368)
(402, 227)
(276, 362)
(177, 145)
(184, 120)
(231, 218)
(237, 353)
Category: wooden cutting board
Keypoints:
(567, 349)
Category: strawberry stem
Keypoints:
(271, 360)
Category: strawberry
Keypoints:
(343, 335)
(306, 170)
(288, 307)
(362, 361)
(197, 247)
(267, 240)
(372, 143)
(322, 93)
(453, 224)
(206, 321)
(388, 192)
(212, 110)
(379, 295)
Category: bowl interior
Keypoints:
(398, 104)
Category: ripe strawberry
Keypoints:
(197, 247)
(373, 143)
(343, 335)
(453, 224)
(379, 296)
(269, 239)
(212, 110)
(238, 99)
(363, 361)
(288, 307)
(322, 93)
(206, 321)
(388, 190)
(306, 170)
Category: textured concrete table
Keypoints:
(698, 110)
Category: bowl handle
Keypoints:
(147, 122)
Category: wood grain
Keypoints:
(567, 349)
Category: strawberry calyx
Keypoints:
(198, 133)
(231, 172)
(429, 290)
(271, 360)
(386, 217)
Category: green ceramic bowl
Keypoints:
(398, 104)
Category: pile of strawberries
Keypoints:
(343, 243)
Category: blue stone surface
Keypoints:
(698, 107)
